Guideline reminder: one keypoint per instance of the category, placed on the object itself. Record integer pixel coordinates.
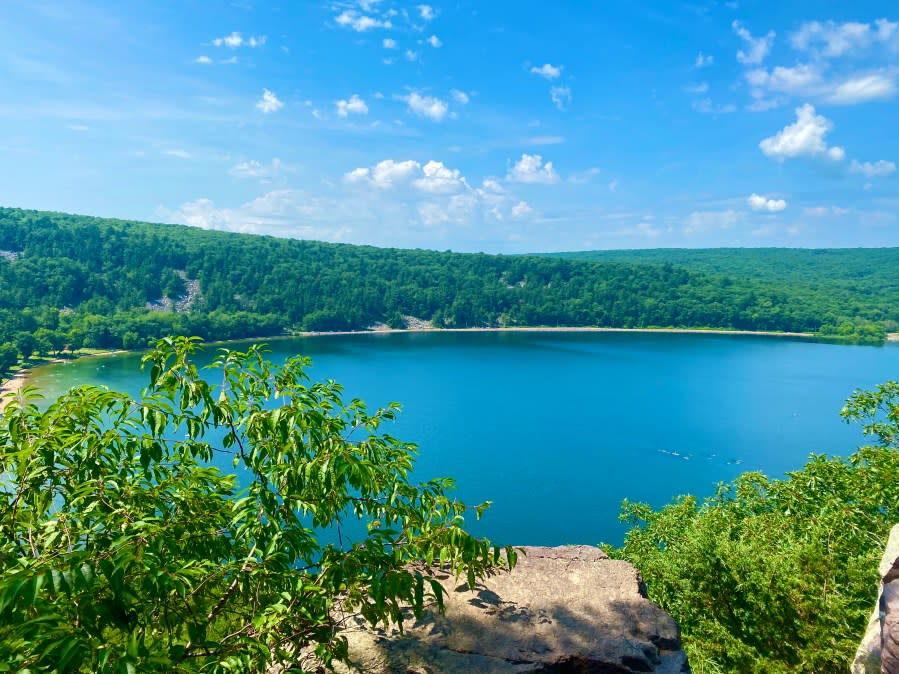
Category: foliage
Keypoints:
(88, 282)
(123, 548)
(777, 575)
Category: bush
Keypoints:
(777, 575)
(123, 549)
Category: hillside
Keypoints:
(94, 282)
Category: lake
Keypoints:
(557, 428)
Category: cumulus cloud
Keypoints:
(236, 40)
(547, 71)
(353, 106)
(435, 42)
(521, 209)
(360, 22)
(205, 60)
(561, 97)
(460, 97)
(531, 169)
(389, 43)
(872, 169)
(433, 108)
(759, 203)
(437, 178)
(269, 102)
(756, 48)
(703, 60)
(426, 12)
(805, 137)
(707, 107)
(836, 39)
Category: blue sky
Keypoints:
(492, 126)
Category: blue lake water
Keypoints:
(557, 428)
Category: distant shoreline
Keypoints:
(697, 331)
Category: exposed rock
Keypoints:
(561, 610)
(879, 650)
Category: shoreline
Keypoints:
(697, 331)
(10, 388)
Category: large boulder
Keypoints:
(566, 609)
(879, 650)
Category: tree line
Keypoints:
(77, 281)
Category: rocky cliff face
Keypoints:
(879, 650)
(561, 610)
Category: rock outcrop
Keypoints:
(879, 650)
(561, 610)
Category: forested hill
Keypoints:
(84, 281)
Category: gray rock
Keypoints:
(879, 650)
(561, 610)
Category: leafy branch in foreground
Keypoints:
(124, 548)
(777, 575)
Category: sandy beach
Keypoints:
(10, 387)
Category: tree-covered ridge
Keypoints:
(85, 281)
(849, 284)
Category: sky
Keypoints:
(472, 126)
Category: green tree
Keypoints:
(777, 575)
(9, 355)
(122, 548)
(26, 344)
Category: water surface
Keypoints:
(557, 428)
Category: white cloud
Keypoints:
(360, 22)
(205, 60)
(78, 127)
(703, 60)
(759, 203)
(269, 102)
(547, 71)
(180, 154)
(426, 106)
(756, 48)
(807, 80)
(821, 211)
(521, 209)
(435, 42)
(561, 97)
(492, 185)
(704, 221)
(707, 107)
(276, 212)
(357, 175)
(389, 173)
(531, 169)
(872, 169)
(437, 178)
(459, 96)
(836, 39)
(411, 55)
(254, 169)
(353, 106)
(426, 12)
(860, 89)
(235, 40)
(805, 137)
(389, 43)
